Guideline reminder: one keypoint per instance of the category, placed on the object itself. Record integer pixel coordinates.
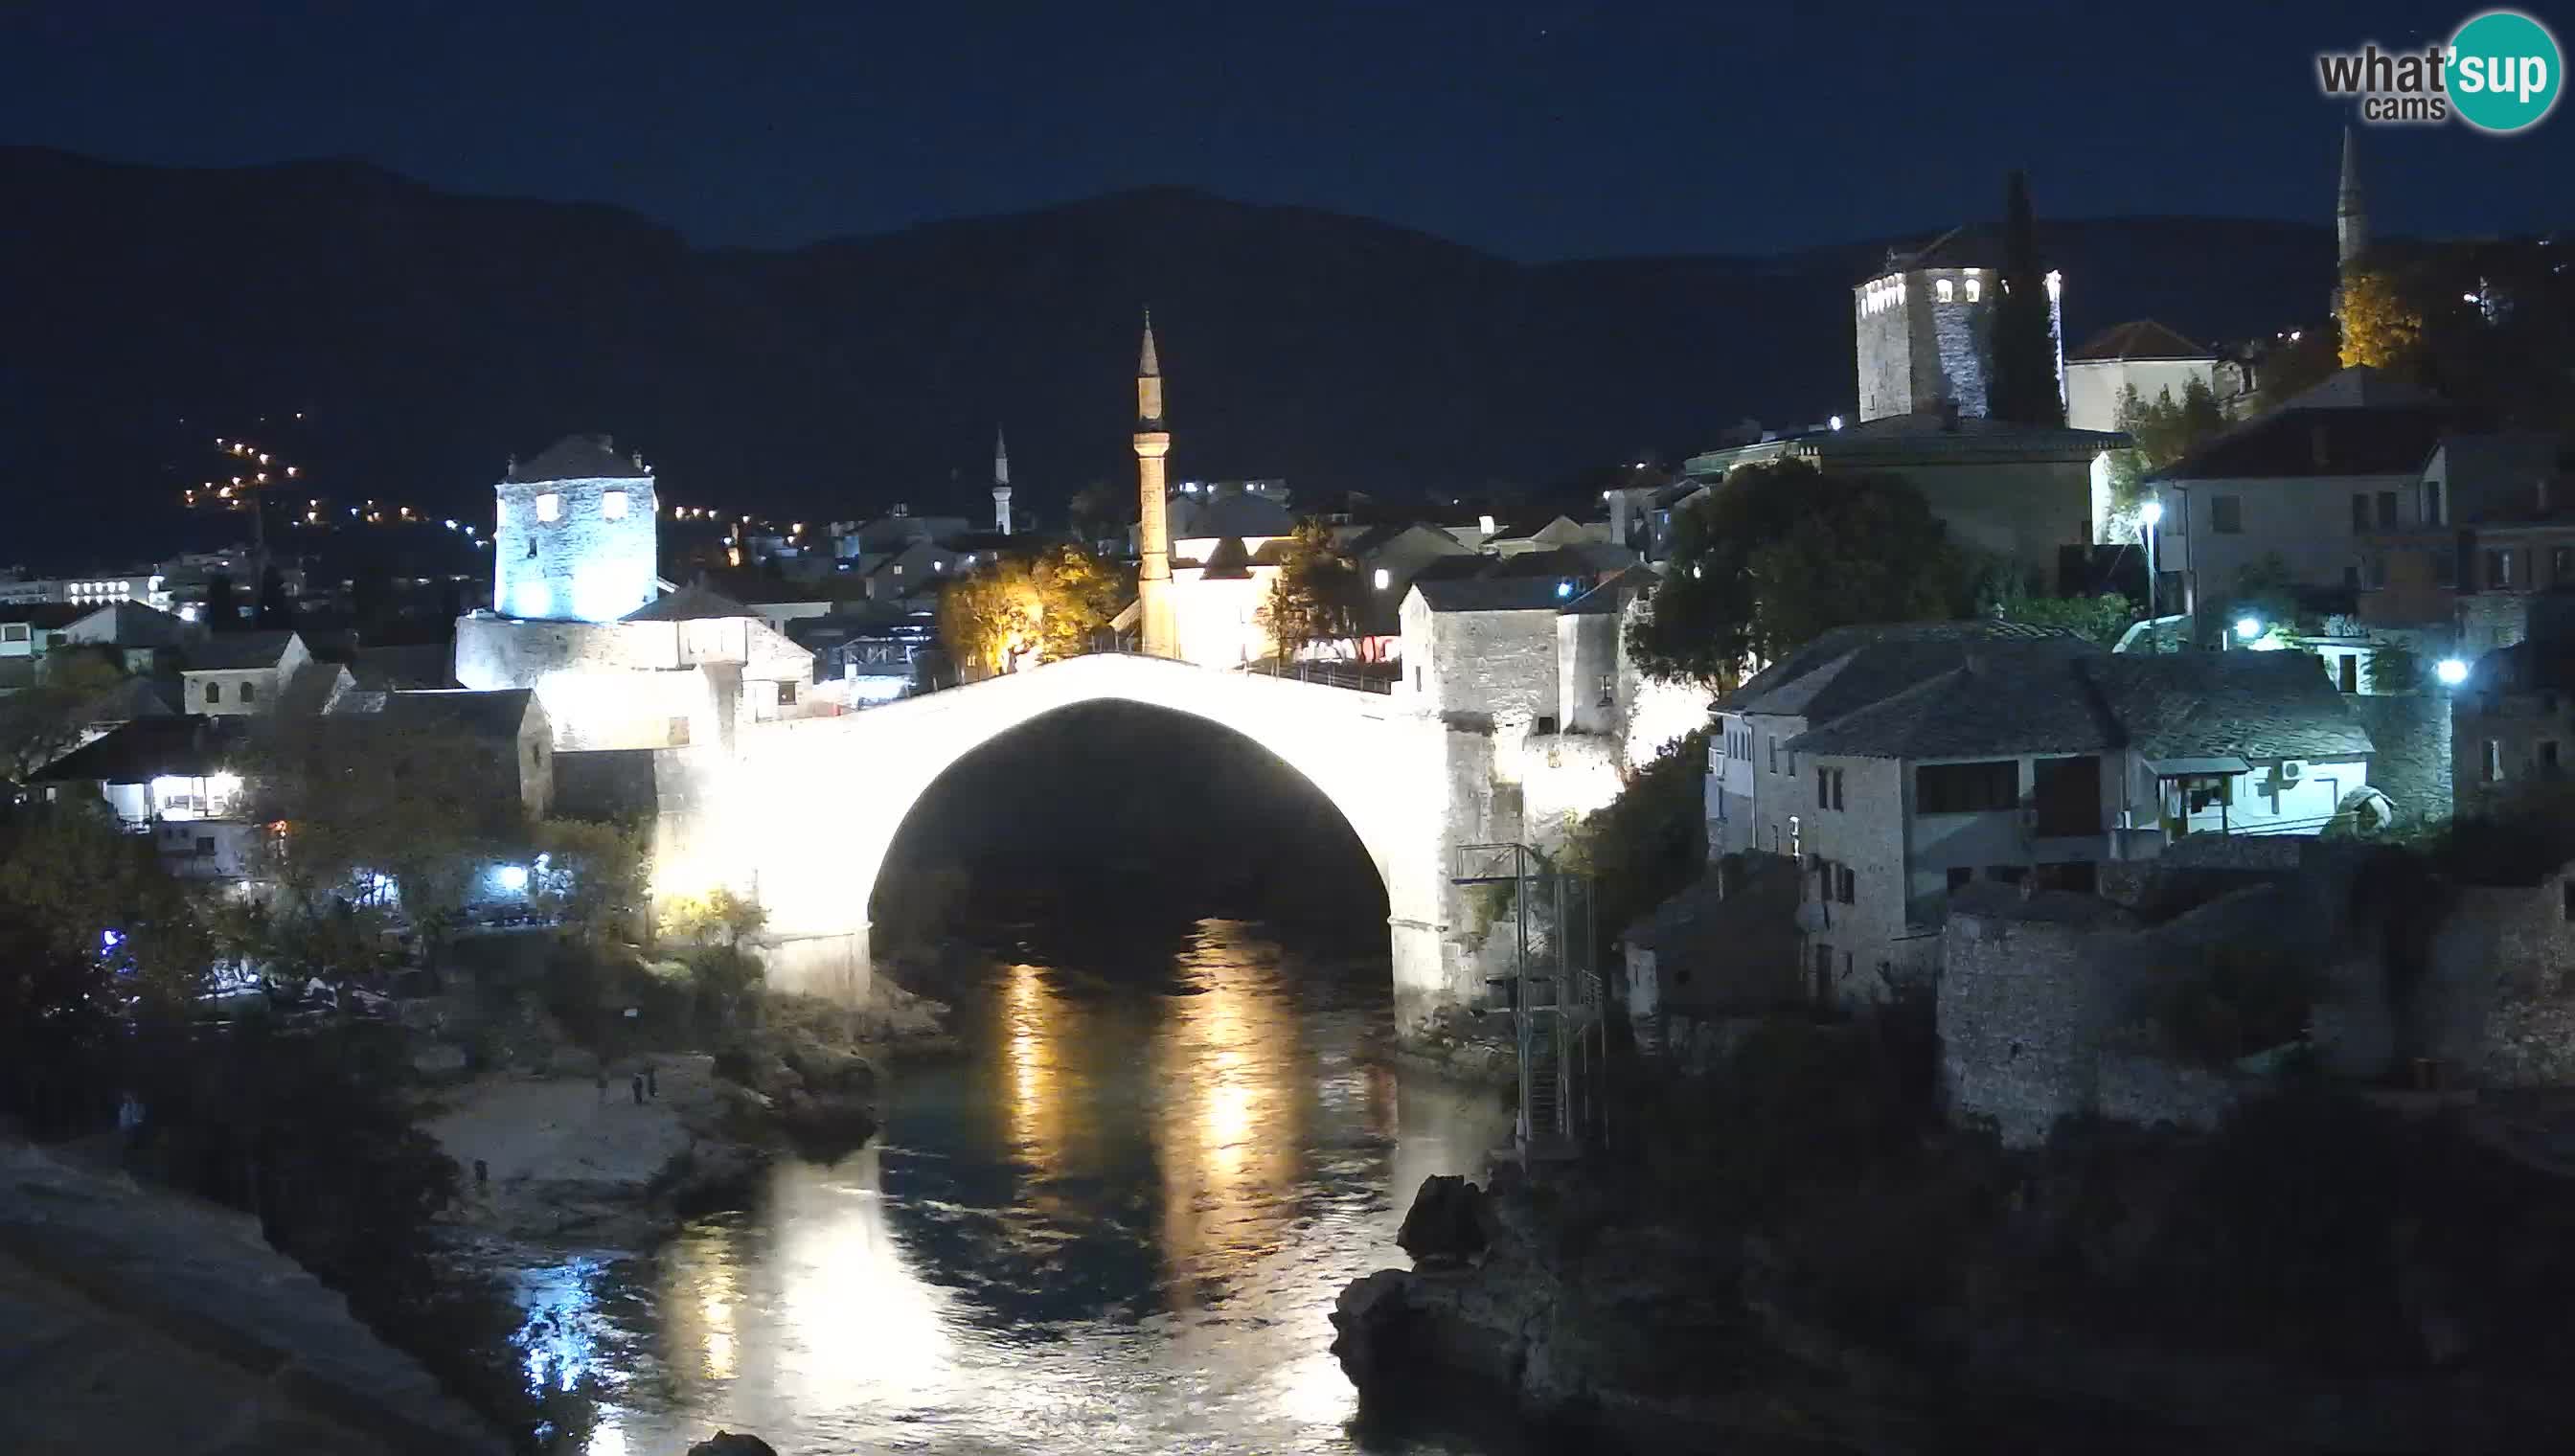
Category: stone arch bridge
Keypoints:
(801, 813)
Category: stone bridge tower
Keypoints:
(1157, 630)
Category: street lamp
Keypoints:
(2451, 671)
(2152, 512)
(2248, 628)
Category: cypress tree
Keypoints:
(2022, 354)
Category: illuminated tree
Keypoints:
(591, 878)
(1317, 595)
(48, 718)
(1020, 611)
(2381, 327)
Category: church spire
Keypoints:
(1001, 481)
(2351, 206)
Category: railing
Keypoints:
(1320, 675)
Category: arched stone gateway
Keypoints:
(802, 813)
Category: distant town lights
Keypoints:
(2451, 671)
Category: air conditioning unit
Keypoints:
(2292, 769)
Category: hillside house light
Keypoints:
(513, 877)
(2451, 671)
(2248, 628)
(1836, 422)
(1383, 579)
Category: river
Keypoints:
(1117, 1224)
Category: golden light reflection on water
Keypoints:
(1227, 1122)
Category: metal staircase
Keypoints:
(1553, 996)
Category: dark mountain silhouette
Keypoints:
(428, 335)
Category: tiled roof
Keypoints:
(238, 652)
(1227, 561)
(497, 712)
(2248, 704)
(414, 666)
(2374, 440)
(44, 613)
(1491, 594)
(2525, 667)
(1615, 592)
(1960, 246)
(688, 603)
(2276, 704)
(1883, 659)
(2016, 700)
(2138, 339)
(581, 458)
(145, 749)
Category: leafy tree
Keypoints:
(2022, 383)
(1098, 512)
(2392, 669)
(1647, 843)
(274, 610)
(591, 878)
(49, 717)
(2163, 431)
(715, 917)
(1018, 610)
(2296, 364)
(1317, 595)
(223, 603)
(94, 921)
(2381, 325)
(366, 806)
(1779, 552)
(2103, 618)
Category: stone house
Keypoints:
(2307, 482)
(1723, 947)
(32, 629)
(2025, 763)
(688, 669)
(1753, 797)
(2494, 523)
(2141, 354)
(239, 672)
(174, 777)
(2513, 723)
(576, 533)
(1485, 649)
(506, 726)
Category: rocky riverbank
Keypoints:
(1676, 1335)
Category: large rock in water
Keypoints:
(729, 1443)
(1445, 1225)
(1373, 1332)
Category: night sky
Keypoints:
(1536, 130)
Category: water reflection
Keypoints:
(1118, 1225)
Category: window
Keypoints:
(214, 692)
(2431, 503)
(1975, 289)
(2359, 511)
(1797, 838)
(679, 732)
(1773, 743)
(1849, 882)
(1417, 679)
(2349, 664)
(787, 694)
(1608, 690)
(205, 844)
(2498, 569)
(1948, 291)
(2561, 566)
(2387, 510)
(612, 505)
(1823, 789)
(550, 507)
(1959, 874)
(249, 692)
(1951, 788)
(14, 631)
(1544, 725)
(2226, 515)
(2493, 766)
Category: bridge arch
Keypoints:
(802, 813)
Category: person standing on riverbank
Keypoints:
(639, 1089)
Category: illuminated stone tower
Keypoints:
(1001, 484)
(1157, 629)
(575, 535)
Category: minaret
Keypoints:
(1157, 629)
(1001, 483)
(2351, 209)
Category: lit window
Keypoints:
(1975, 289)
(1948, 291)
(612, 505)
(550, 507)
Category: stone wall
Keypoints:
(583, 563)
(2412, 761)
(2024, 1008)
(2496, 1005)
(2145, 1090)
